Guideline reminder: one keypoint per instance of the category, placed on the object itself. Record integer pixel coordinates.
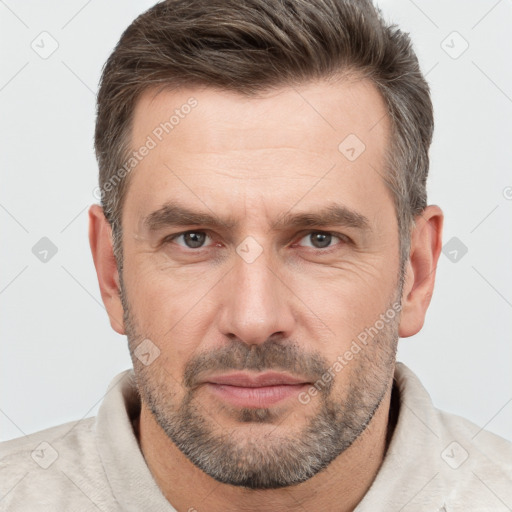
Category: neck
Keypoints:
(341, 486)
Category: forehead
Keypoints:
(287, 113)
(207, 146)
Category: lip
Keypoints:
(247, 380)
(255, 391)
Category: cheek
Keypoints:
(166, 290)
(170, 310)
(347, 298)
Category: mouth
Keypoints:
(255, 390)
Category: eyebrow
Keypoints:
(173, 215)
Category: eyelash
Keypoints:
(343, 239)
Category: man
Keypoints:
(263, 241)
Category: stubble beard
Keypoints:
(280, 457)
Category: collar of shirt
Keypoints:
(435, 461)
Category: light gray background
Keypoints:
(57, 350)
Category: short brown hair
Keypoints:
(248, 46)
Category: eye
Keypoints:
(191, 239)
(320, 239)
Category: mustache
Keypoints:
(271, 355)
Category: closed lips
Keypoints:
(257, 380)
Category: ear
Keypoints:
(100, 240)
(426, 244)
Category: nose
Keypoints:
(256, 303)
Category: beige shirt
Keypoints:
(435, 462)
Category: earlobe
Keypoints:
(100, 240)
(426, 244)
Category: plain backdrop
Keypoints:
(57, 350)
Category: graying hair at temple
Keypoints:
(253, 47)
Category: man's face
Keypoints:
(252, 291)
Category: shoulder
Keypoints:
(477, 465)
(471, 466)
(481, 449)
(74, 431)
(53, 469)
(482, 443)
